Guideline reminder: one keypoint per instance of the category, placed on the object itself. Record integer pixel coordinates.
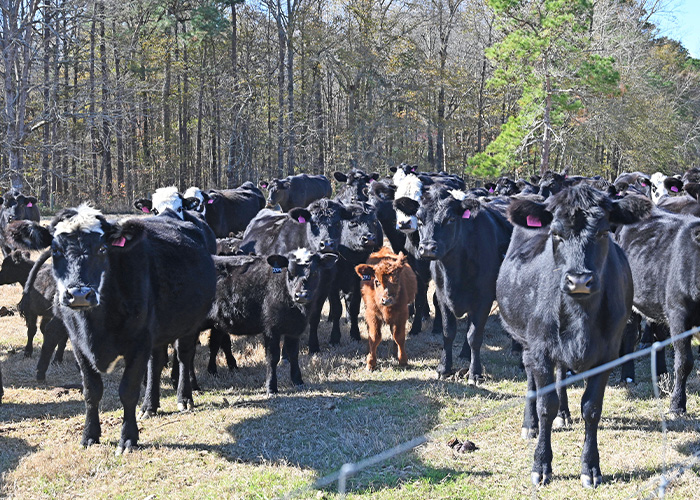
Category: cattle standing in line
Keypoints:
(269, 295)
(664, 252)
(124, 290)
(228, 210)
(15, 206)
(388, 287)
(565, 294)
(296, 191)
(466, 242)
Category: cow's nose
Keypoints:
(79, 297)
(404, 224)
(387, 301)
(579, 283)
(302, 297)
(327, 245)
(368, 240)
(428, 250)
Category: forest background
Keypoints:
(107, 100)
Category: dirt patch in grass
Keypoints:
(240, 443)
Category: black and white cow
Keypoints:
(15, 206)
(228, 210)
(664, 254)
(269, 295)
(124, 290)
(465, 242)
(565, 294)
(296, 190)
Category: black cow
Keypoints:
(269, 295)
(296, 190)
(565, 294)
(15, 206)
(355, 185)
(466, 242)
(638, 182)
(664, 252)
(229, 210)
(551, 183)
(124, 290)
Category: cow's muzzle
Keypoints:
(428, 250)
(302, 297)
(369, 241)
(80, 297)
(387, 301)
(578, 283)
(327, 246)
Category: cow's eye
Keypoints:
(603, 233)
(420, 222)
(450, 220)
(179, 209)
(102, 250)
(353, 223)
(557, 237)
(376, 283)
(56, 252)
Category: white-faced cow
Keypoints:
(565, 293)
(124, 290)
(296, 190)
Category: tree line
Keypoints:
(108, 100)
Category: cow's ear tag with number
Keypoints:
(276, 270)
(366, 277)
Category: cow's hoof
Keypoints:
(643, 345)
(591, 482)
(147, 414)
(540, 479)
(90, 441)
(41, 377)
(562, 423)
(185, 404)
(526, 433)
(445, 374)
(124, 448)
(27, 354)
(629, 381)
(476, 380)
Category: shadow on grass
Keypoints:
(11, 451)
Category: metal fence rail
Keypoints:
(659, 484)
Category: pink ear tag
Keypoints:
(301, 220)
(467, 213)
(490, 190)
(533, 221)
(30, 204)
(674, 189)
(145, 210)
(210, 201)
(371, 180)
(119, 243)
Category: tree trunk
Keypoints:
(547, 139)
(106, 130)
(290, 90)
(280, 92)
(94, 140)
(121, 188)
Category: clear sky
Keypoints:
(681, 21)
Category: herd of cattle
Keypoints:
(574, 263)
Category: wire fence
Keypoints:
(656, 488)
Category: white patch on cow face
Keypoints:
(167, 197)
(398, 176)
(303, 256)
(409, 187)
(458, 195)
(194, 192)
(658, 190)
(85, 221)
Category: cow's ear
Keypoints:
(528, 213)
(621, 187)
(470, 208)
(374, 176)
(365, 272)
(283, 185)
(29, 235)
(673, 185)
(490, 187)
(278, 262)
(535, 179)
(31, 201)
(190, 203)
(123, 235)
(426, 180)
(328, 260)
(21, 199)
(300, 215)
(630, 209)
(2, 200)
(393, 169)
(382, 191)
(407, 205)
(263, 184)
(340, 177)
(693, 189)
(144, 205)
(644, 181)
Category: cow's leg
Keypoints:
(214, 345)
(547, 406)
(683, 363)
(129, 391)
(291, 346)
(92, 392)
(530, 422)
(398, 331)
(336, 311)
(52, 337)
(314, 319)
(660, 333)
(420, 306)
(354, 310)
(151, 398)
(2, 391)
(629, 339)
(272, 356)
(30, 321)
(475, 337)
(449, 330)
(437, 321)
(185, 349)
(374, 338)
(563, 415)
(647, 336)
(591, 409)
(227, 347)
(62, 334)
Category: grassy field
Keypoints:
(239, 443)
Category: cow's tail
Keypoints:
(29, 235)
(24, 302)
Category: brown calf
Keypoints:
(388, 287)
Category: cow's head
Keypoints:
(579, 220)
(384, 277)
(323, 221)
(355, 188)
(410, 187)
(277, 191)
(15, 268)
(362, 232)
(445, 217)
(551, 183)
(203, 199)
(17, 206)
(167, 198)
(506, 186)
(302, 271)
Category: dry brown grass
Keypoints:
(239, 443)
